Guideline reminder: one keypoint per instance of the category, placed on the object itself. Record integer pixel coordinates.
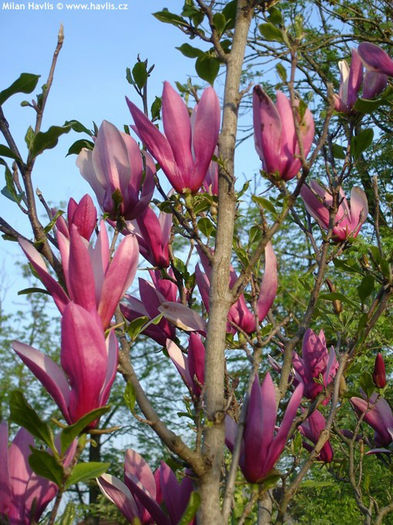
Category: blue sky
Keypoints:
(89, 83)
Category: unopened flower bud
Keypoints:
(379, 374)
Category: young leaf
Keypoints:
(72, 431)
(26, 83)
(366, 287)
(139, 74)
(45, 465)
(361, 141)
(78, 145)
(24, 415)
(6, 152)
(190, 51)
(219, 22)
(270, 32)
(129, 397)
(86, 471)
(48, 139)
(191, 509)
(170, 18)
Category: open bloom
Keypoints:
(352, 79)
(311, 430)
(185, 152)
(378, 414)
(275, 137)
(379, 373)
(142, 493)
(316, 363)
(260, 448)
(190, 367)
(348, 219)
(83, 215)
(375, 59)
(23, 494)
(88, 361)
(93, 280)
(115, 171)
(239, 314)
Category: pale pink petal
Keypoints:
(269, 285)
(183, 317)
(119, 494)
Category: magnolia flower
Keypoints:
(239, 315)
(316, 363)
(375, 59)
(348, 219)
(23, 494)
(190, 367)
(185, 151)
(93, 280)
(142, 493)
(275, 135)
(351, 81)
(82, 215)
(116, 172)
(378, 414)
(261, 447)
(379, 374)
(311, 429)
(88, 360)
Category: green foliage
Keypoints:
(26, 83)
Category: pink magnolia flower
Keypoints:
(190, 367)
(88, 360)
(239, 314)
(23, 494)
(348, 219)
(153, 236)
(316, 363)
(275, 136)
(83, 215)
(261, 447)
(352, 79)
(92, 279)
(311, 430)
(152, 295)
(375, 59)
(378, 414)
(379, 373)
(115, 171)
(185, 151)
(143, 493)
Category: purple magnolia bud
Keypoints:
(82, 215)
(377, 414)
(185, 151)
(115, 170)
(351, 81)
(348, 219)
(379, 374)
(375, 59)
(261, 444)
(275, 136)
(311, 429)
(89, 364)
(153, 236)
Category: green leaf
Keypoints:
(190, 51)
(29, 137)
(361, 141)
(282, 72)
(78, 127)
(139, 74)
(206, 226)
(264, 203)
(78, 145)
(33, 289)
(45, 465)
(191, 509)
(219, 22)
(270, 32)
(130, 397)
(24, 415)
(229, 12)
(48, 139)
(343, 265)
(170, 18)
(26, 83)
(366, 287)
(136, 326)
(72, 431)
(338, 151)
(86, 471)
(337, 296)
(9, 189)
(156, 108)
(69, 514)
(6, 152)
(275, 16)
(366, 383)
(207, 67)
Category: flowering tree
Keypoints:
(266, 364)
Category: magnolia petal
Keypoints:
(375, 58)
(5, 488)
(267, 130)
(119, 494)
(268, 290)
(48, 373)
(180, 362)
(183, 317)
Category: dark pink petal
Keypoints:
(136, 466)
(267, 130)
(355, 78)
(119, 494)
(83, 358)
(111, 367)
(84, 217)
(175, 500)
(118, 278)
(379, 374)
(196, 361)
(375, 58)
(316, 207)
(48, 373)
(5, 487)
(359, 209)
(374, 84)
(80, 282)
(19, 472)
(378, 416)
(269, 285)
